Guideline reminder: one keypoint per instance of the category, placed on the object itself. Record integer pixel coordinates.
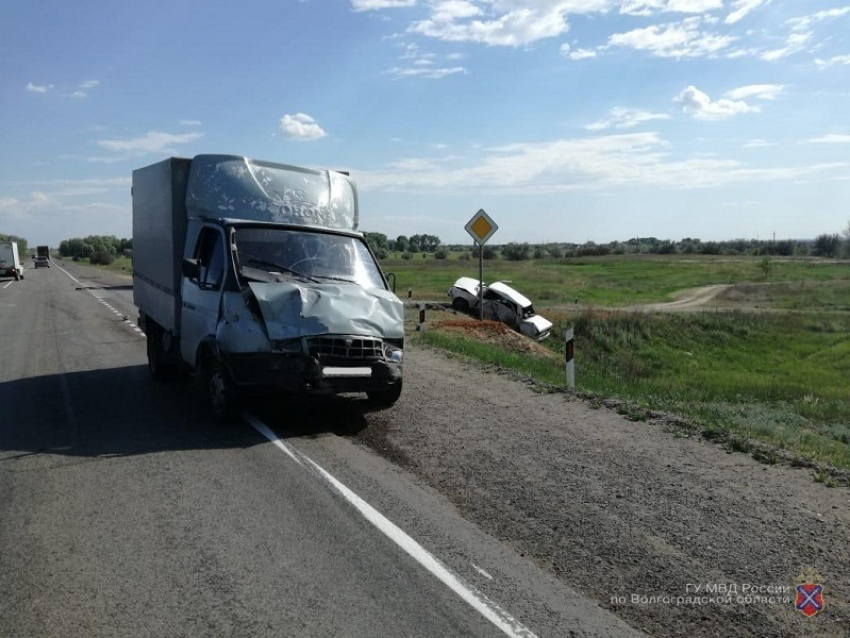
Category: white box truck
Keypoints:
(253, 275)
(10, 264)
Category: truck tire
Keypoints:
(158, 365)
(17, 276)
(222, 393)
(385, 398)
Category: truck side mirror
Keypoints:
(191, 270)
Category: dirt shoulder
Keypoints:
(616, 508)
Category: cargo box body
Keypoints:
(159, 232)
(10, 264)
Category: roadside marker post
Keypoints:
(569, 356)
(421, 317)
(481, 227)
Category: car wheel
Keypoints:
(460, 304)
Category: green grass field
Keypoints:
(610, 281)
(777, 376)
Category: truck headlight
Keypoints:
(393, 352)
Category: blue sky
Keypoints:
(566, 120)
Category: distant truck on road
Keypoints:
(10, 264)
(254, 275)
(42, 257)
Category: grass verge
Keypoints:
(772, 385)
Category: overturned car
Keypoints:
(501, 303)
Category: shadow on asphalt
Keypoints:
(121, 411)
(115, 287)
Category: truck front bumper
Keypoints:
(301, 373)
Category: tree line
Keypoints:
(102, 249)
(98, 249)
(382, 245)
(824, 245)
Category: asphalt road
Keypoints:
(126, 511)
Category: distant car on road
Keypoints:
(501, 303)
(41, 262)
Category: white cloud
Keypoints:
(675, 40)
(153, 142)
(190, 122)
(33, 88)
(831, 138)
(650, 7)
(837, 59)
(760, 91)
(88, 84)
(12, 208)
(423, 65)
(795, 43)
(513, 23)
(634, 159)
(693, 6)
(641, 7)
(78, 94)
(448, 10)
(806, 22)
(758, 143)
(373, 5)
(699, 105)
(578, 54)
(623, 118)
(427, 73)
(741, 8)
(301, 126)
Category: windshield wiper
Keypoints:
(280, 268)
(331, 277)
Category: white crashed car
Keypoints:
(501, 303)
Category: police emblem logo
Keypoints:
(810, 599)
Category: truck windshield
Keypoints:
(314, 256)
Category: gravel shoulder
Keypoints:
(616, 508)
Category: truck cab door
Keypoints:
(202, 293)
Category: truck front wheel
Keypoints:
(221, 391)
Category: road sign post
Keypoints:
(569, 357)
(481, 227)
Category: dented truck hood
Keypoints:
(292, 310)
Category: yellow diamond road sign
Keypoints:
(481, 227)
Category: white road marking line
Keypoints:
(263, 429)
(481, 571)
(9, 284)
(69, 274)
(94, 294)
(478, 601)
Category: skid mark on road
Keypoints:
(509, 625)
(98, 294)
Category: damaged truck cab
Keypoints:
(254, 275)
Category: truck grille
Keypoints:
(344, 347)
